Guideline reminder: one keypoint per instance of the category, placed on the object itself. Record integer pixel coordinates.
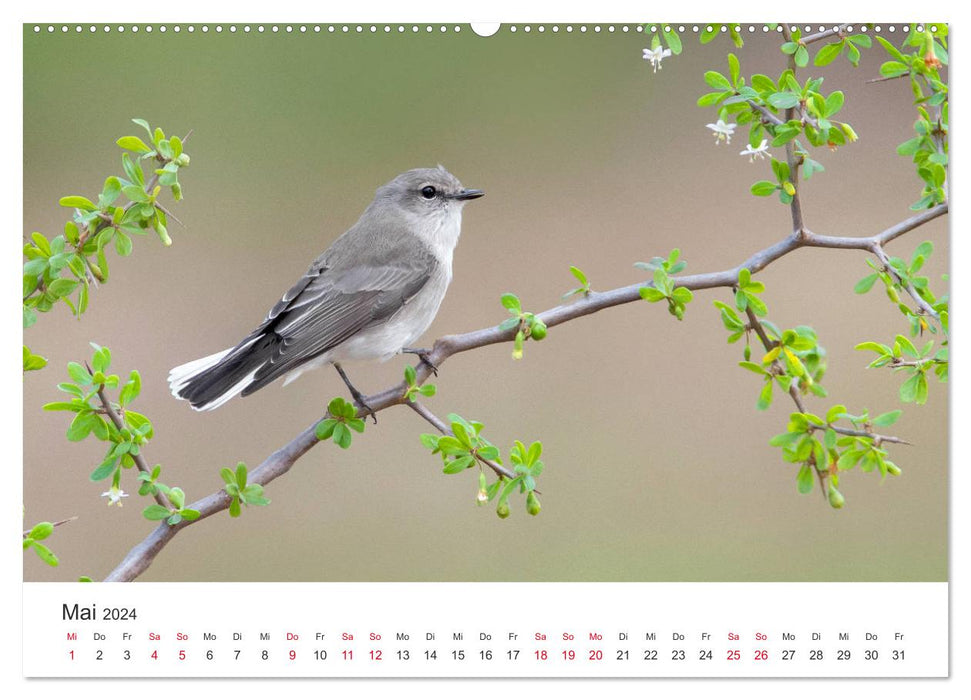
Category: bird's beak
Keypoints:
(468, 194)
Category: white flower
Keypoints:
(723, 131)
(655, 56)
(757, 152)
(114, 495)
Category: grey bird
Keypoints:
(369, 296)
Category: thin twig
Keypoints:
(57, 524)
(443, 428)
(139, 459)
(877, 250)
(825, 34)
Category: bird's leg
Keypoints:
(358, 396)
(423, 356)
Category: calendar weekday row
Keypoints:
(402, 630)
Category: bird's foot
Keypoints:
(358, 396)
(367, 410)
(422, 354)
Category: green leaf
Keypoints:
(123, 244)
(834, 103)
(682, 295)
(77, 202)
(828, 54)
(887, 419)
(921, 392)
(177, 496)
(136, 194)
(156, 512)
(879, 348)
(132, 388)
(801, 56)
(133, 170)
(459, 464)
(41, 531)
(764, 188)
(893, 69)
(783, 439)
(342, 436)
(765, 397)
(144, 124)
(784, 100)
(672, 39)
(133, 143)
(430, 441)
(81, 426)
(834, 413)
(865, 284)
(717, 80)
(848, 459)
(763, 83)
(325, 428)
(46, 555)
(734, 69)
(511, 302)
(651, 294)
(712, 98)
(908, 390)
(804, 479)
(830, 439)
(241, 475)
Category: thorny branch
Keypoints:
(279, 463)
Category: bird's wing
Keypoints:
(329, 305)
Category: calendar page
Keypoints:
(622, 348)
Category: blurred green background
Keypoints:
(658, 464)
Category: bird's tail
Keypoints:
(209, 382)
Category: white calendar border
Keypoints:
(508, 10)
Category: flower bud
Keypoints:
(538, 330)
(183, 160)
(163, 234)
(532, 504)
(502, 510)
(483, 496)
(835, 497)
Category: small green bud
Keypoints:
(503, 509)
(532, 504)
(176, 191)
(835, 497)
(163, 234)
(183, 160)
(538, 330)
(517, 353)
(893, 469)
(892, 293)
(483, 496)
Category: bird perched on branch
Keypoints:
(369, 296)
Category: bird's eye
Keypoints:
(428, 192)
